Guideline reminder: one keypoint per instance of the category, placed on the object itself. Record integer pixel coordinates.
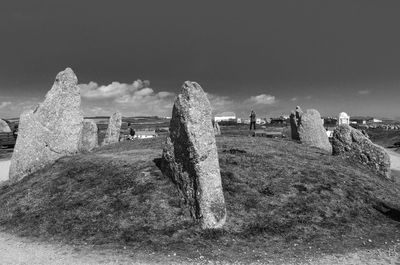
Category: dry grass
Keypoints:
(283, 200)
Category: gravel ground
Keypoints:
(4, 168)
(17, 251)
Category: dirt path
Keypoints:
(394, 159)
(21, 251)
(17, 251)
(4, 168)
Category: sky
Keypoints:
(270, 56)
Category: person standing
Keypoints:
(131, 132)
(252, 120)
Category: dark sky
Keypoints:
(330, 55)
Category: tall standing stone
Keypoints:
(51, 130)
(293, 126)
(354, 145)
(89, 137)
(308, 128)
(4, 126)
(113, 129)
(190, 157)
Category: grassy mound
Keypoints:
(282, 198)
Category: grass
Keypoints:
(283, 200)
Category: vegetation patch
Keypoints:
(282, 198)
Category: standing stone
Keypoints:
(190, 157)
(114, 129)
(308, 128)
(353, 144)
(50, 131)
(89, 138)
(293, 126)
(217, 130)
(4, 126)
(295, 122)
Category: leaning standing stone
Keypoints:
(308, 128)
(312, 131)
(89, 137)
(190, 157)
(51, 130)
(354, 145)
(114, 129)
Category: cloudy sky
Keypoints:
(267, 55)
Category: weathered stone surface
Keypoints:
(89, 137)
(308, 128)
(294, 122)
(190, 157)
(217, 130)
(4, 126)
(114, 129)
(51, 130)
(353, 144)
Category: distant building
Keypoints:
(239, 120)
(344, 118)
(358, 121)
(225, 116)
(145, 134)
(279, 120)
(374, 120)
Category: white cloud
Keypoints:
(364, 92)
(293, 99)
(114, 90)
(131, 99)
(262, 99)
(139, 98)
(4, 104)
(221, 103)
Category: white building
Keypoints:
(239, 120)
(376, 120)
(225, 116)
(329, 133)
(145, 134)
(343, 118)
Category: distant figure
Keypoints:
(252, 120)
(131, 132)
(15, 131)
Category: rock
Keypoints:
(190, 157)
(4, 127)
(308, 128)
(113, 130)
(50, 131)
(353, 144)
(217, 130)
(89, 138)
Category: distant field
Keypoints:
(385, 138)
(137, 123)
(243, 129)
